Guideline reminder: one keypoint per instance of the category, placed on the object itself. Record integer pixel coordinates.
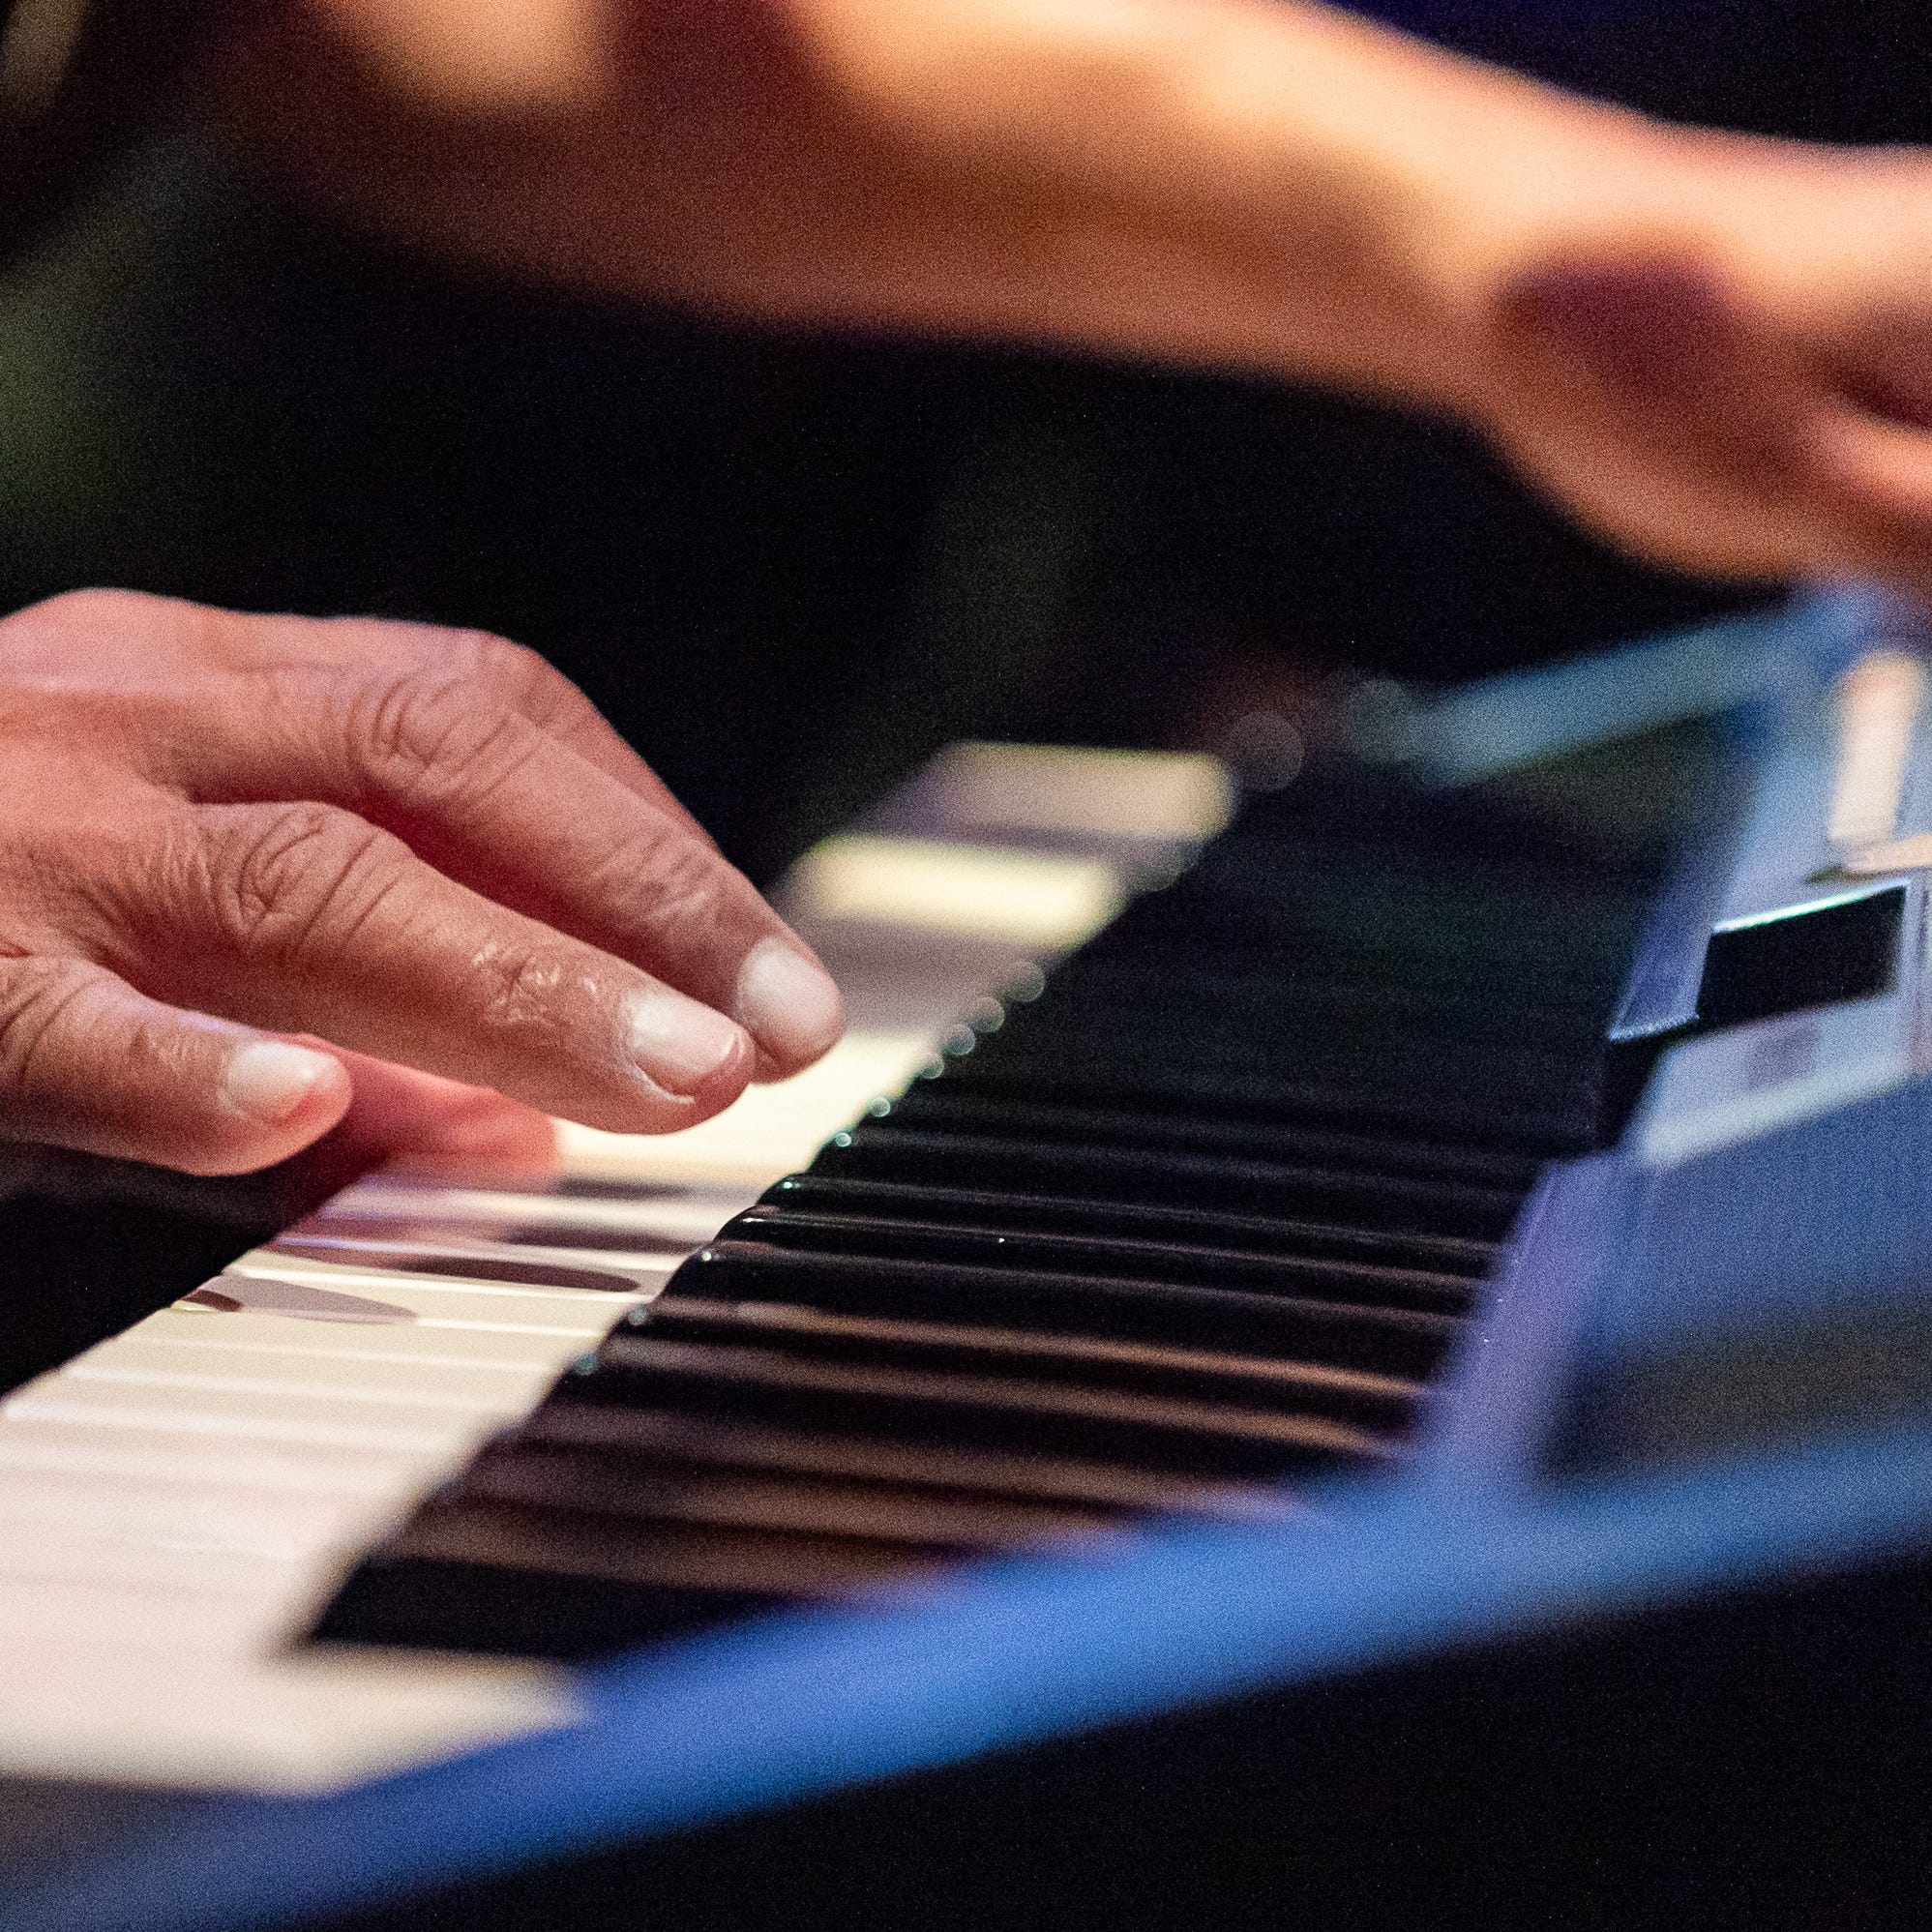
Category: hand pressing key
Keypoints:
(416, 845)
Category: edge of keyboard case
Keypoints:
(1590, 1475)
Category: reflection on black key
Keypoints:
(1383, 1400)
(443, 1230)
(882, 1151)
(777, 1386)
(668, 1438)
(910, 1515)
(1005, 1211)
(982, 1108)
(1346, 1334)
(1028, 1250)
(473, 1267)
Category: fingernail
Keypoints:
(678, 1042)
(788, 1001)
(268, 1079)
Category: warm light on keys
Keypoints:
(1026, 899)
(1878, 699)
(1072, 788)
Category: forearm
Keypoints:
(1269, 186)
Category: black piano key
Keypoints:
(1371, 945)
(984, 1106)
(1342, 1334)
(429, 1229)
(1191, 1265)
(993, 1211)
(771, 1384)
(602, 1187)
(910, 1515)
(879, 1149)
(1552, 1126)
(1402, 925)
(1111, 976)
(1239, 939)
(674, 1440)
(1297, 1013)
(1544, 1119)
(346, 1252)
(808, 1333)
(462, 1571)
(1394, 1063)
(772, 1566)
(454, 1603)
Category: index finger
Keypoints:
(496, 803)
(497, 671)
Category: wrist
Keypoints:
(1477, 177)
(1561, 183)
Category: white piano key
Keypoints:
(46, 1618)
(1177, 797)
(288, 1526)
(993, 892)
(541, 1307)
(691, 1212)
(609, 1282)
(474, 1384)
(281, 1415)
(770, 1131)
(129, 1456)
(63, 1554)
(426, 1340)
(291, 1724)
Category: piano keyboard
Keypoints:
(1213, 1139)
(178, 1504)
(1190, 1232)
(1258, 1257)
(1184, 1225)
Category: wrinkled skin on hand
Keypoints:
(263, 878)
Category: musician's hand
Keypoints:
(403, 1116)
(1718, 351)
(425, 845)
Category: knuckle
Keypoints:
(517, 987)
(524, 680)
(496, 661)
(429, 734)
(677, 882)
(71, 611)
(61, 631)
(106, 877)
(37, 994)
(286, 880)
(81, 873)
(91, 606)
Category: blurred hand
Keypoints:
(1718, 351)
(423, 846)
